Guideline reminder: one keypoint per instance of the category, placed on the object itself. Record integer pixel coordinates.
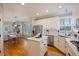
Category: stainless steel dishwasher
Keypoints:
(50, 40)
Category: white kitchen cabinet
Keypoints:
(56, 41)
(71, 50)
(66, 48)
(37, 46)
(59, 42)
(62, 44)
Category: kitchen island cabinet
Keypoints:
(37, 46)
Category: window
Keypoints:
(65, 23)
(77, 23)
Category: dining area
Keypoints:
(15, 35)
(12, 32)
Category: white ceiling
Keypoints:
(32, 8)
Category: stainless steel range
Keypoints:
(76, 43)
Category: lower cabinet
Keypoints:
(56, 43)
(43, 48)
(59, 42)
(70, 51)
(33, 47)
(62, 44)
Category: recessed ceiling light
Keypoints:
(23, 3)
(37, 14)
(59, 6)
(47, 11)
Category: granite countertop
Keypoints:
(37, 39)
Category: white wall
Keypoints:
(48, 23)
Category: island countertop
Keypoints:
(34, 39)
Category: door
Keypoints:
(26, 28)
(1, 32)
(1, 38)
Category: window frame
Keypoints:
(63, 26)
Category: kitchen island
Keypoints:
(37, 46)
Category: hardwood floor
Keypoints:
(20, 49)
(52, 51)
(16, 49)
